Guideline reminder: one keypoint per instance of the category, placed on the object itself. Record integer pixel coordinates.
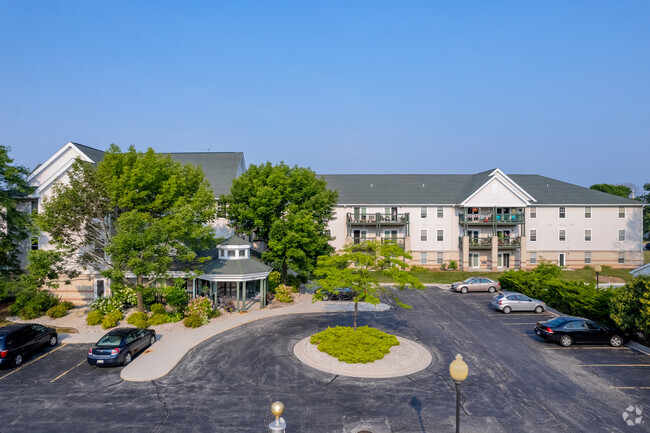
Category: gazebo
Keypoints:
(232, 272)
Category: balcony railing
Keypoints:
(400, 241)
(486, 242)
(377, 218)
(488, 218)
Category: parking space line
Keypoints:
(614, 365)
(631, 387)
(583, 348)
(32, 361)
(66, 372)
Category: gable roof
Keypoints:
(453, 189)
(95, 155)
(234, 240)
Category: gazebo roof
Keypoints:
(235, 240)
(235, 267)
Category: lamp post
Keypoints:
(277, 409)
(597, 268)
(458, 371)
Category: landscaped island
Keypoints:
(354, 347)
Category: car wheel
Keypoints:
(152, 340)
(616, 341)
(18, 360)
(53, 341)
(539, 309)
(326, 297)
(463, 290)
(506, 310)
(492, 290)
(566, 341)
(127, 358)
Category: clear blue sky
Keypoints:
(555, 88)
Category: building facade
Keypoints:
(488, 221)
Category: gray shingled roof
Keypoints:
(234, 267)
(235, 240)
(220, 168)
(444, 189)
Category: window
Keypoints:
(440, 258)
(35, 242)
(562, 212)
(34, 208)
(440, 235)
(587, 212)
(328, 233)
(587, 235)
(621, 235)
(533, 212)
(363, 213)
(561, 235)
(423, 235)
(423, 258)
(621, 212)
(587, 257)
(533, 258)
(621, 257)
(423, 212)
(533, 235)
(221, 210)
(473, 260)
(440, 212)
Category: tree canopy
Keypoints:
(286, 207)
(620, 190)
(356, 267)
(134, 213)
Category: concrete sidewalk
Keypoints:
(160, 358)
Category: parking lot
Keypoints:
(517, 382)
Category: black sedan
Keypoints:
(568, 330)
(19, 340)
(119, 346)
(344, 294)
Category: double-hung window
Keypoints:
(533, 235)
(562, 212)
(440, 235)
(423, 235)
(621, 235)
(587, 235)
(561, 235)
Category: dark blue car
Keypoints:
(119, 346)
(20, 340)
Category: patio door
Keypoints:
(390, 235)
(561, 260)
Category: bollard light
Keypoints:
(597, 268)
(277, 409)
(458, 371)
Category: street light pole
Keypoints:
(597, 268)
(458, 371)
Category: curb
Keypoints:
(638, 347)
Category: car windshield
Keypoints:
(558, 321)
(110, 341)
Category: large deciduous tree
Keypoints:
(286, 207)
(14, 221)
(138, 213)
(620, 190)
(356, 269)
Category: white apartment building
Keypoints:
(489, 220)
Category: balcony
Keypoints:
(507, 242)
(400, 241)
(378, 218)
(491, 219)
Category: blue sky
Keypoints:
(555, 88)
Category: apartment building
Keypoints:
(489, 220)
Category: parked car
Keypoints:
(647, 246)
(475, 284)
(568, 330)
(18, 341)
(512, 301)
(120, 345)
(344, 294)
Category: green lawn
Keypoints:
(646, 257)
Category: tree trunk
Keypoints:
(356, 310)
(138, 293)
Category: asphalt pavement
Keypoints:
(516, 382)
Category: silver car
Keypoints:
(511, 301)
(474, 284)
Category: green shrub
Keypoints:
(67, 304)
(176, 296)
(106, 305)
(214, 313)
(125, 295)
(30, 312)
(630, 306)
(57, 311)
(141, 323)
(453, 265)
(117, 315)
(175, 317)
(136, 317)
(94, 318)
(283, 293)
(32, 303)
(14, 309)
(361, 346)
(157, 309)
(193, 321)
(201, 307)
(109, 322)
(294, 282)
(274, 279)
(158, 319)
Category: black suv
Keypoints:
(18, 341)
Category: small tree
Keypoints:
(630, 305)
(356, 267)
